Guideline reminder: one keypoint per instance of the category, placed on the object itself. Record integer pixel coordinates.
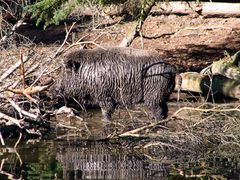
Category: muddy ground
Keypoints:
(191, 42)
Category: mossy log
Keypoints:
(205, 84)
(228, 67)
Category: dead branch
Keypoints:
(12, 31)
(21, 111)
(137, 25)
(14, 67)
(9, 118)
(1, 139)
(226, 69)
(206, 110)
(28, 91)
(22, 70)
(134, 131)
(162, 144)
(196, 82)
(11, 85)
(158, 36)
(19, 139)
(59, 51)
(80, 42)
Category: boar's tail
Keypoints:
(178, 86)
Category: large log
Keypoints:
(202, 8)
(205, 84)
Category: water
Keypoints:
(76, 154)
(100, 160)
(85, 160)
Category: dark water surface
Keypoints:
(72, 160)
(88, 157)
(100, 160)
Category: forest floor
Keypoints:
(190, 42)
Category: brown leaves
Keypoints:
(28, 91)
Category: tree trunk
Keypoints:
(137, 26)
(203, 8)
(204, 84)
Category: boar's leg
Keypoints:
(107, 108)
(158, 110)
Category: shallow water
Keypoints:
(70, 155)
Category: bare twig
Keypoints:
(161, 144)
(80, 42)
(9, 118)
(19, 139)
(1, 139)
(14, 67)
(59, 51)
(23, 70)
(134, 131)
(21, 111)
(206, 110)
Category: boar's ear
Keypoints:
(72, 65)
(68, 64)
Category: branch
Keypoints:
(59, 51)
(14, 67)
(1, 139)
(206, 110)
(137, 26)
(9, 118)
(12, 31)
(134, 131)
(29, 90)
(21, 111)
(23, 70)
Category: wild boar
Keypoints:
(117, 76)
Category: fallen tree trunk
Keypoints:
(205, 84)
(203, 8)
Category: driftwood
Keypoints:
(221, 77)
(203, 8)
(212, 85)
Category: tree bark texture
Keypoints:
(202, 8)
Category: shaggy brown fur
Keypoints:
(117, 76)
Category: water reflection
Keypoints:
(71, 160)
(103, 160)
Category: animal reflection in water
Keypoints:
(99, 161)
(117, 76)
